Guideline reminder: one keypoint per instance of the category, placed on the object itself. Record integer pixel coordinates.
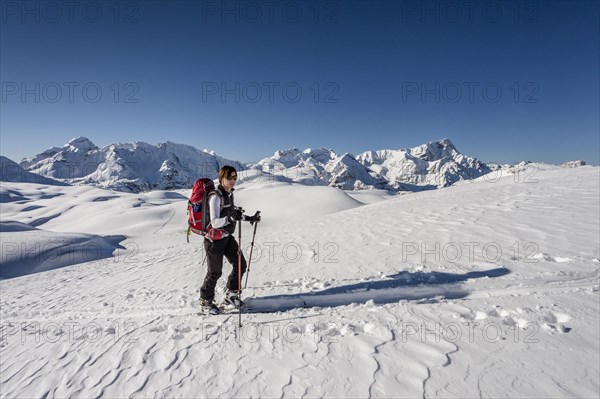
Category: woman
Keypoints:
(223, 218)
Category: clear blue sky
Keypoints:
(506, 81)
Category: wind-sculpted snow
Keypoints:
(27, 250)
(489, 288)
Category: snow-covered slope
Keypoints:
(432, 165)
(131, 167)
(27, 250)
(10, 171)
(488, 288)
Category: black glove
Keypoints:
(254, 218)
(235, 215)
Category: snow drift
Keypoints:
(488, 288)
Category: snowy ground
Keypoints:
(485, 289)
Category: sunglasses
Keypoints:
(234, 177)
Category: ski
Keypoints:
(262, 308)
(228, 310)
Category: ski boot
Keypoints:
(232, 298)
(209, 307)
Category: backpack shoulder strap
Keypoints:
(214, 192)
(206, 210)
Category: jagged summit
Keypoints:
(347, 173)
(134, 167)
(432, 165)
(139, 166)
(80, 144)
(434, 150)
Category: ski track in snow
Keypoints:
(128, 326)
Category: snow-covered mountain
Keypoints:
(10, 171)
(321, 167)
(138, 166)
(573, 164)
(432, 165)
(131, 167)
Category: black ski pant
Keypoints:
(215, 251)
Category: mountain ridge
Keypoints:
(139, 166)
(130, 167)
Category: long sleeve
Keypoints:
(214, 203)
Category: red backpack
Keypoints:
(198, 213)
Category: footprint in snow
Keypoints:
(159, 329)
(555, 317)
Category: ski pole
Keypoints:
(206, 252)
(240, 269)
(205, 256)
(251, 248)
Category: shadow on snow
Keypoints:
(25, 250)
(403, 285)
